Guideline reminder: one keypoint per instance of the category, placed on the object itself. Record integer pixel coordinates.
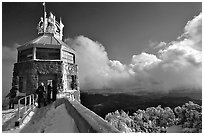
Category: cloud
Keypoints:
(161, 45)
(144, 61)
(8, 53)
(193, 31)
(92, 61)
(178, 64)
(96, 71)
(8, 59)
(157, 45)
(181, 64)
(153, 43)
(117, 65)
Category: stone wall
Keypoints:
(71, 70)
(32, 69)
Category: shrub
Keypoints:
(190, 117)
(156, 120)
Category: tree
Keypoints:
(156, 120)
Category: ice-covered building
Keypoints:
(46, 59)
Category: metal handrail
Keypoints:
(26, 108)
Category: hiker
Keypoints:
(49, 90)
(54, 90)
(12, 96)
(72, 85)
(41, 94)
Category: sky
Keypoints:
(118, 45)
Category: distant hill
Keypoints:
(192, 93)
(103, 103)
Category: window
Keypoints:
(25, 55)
(68, 57)
(48, 53)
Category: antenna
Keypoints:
(48, 25)
(44, 8)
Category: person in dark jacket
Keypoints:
(54, 90)
(41, 94)
(12, 96)
(49, 90)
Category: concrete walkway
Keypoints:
(51, 120)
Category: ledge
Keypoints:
(86, 120)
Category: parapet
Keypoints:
(86, 120)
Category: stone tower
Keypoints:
(47, 59)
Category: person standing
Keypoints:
(54, 90)
(49, 90)
(12, 96)
(41, 94)
(72, 84)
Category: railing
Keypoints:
(25, 105)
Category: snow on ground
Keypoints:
(174, 129)
(51, 120)
(9, 113)
(7, 116)
(62, 122)
(17, 129)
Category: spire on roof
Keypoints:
(50, 25)
(45, 14)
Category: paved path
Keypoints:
(51, 120)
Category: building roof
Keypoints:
(45, 39)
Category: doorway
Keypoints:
(52, 80)
(46, 79)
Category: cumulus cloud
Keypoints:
(161, 45)
(8, 59)
(96, 71)
(144, 61)
(193, 31)
(8, 53)
(178, 64)
(181, 64)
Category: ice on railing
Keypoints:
(29, 103)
